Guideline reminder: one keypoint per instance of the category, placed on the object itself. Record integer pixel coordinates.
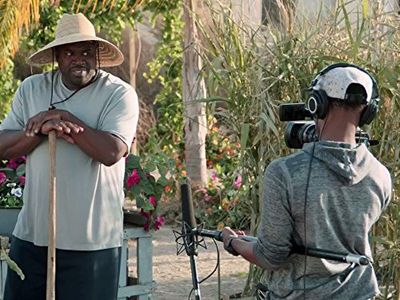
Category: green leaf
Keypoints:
(244, 136)
(12, 264)
(133, 162)
(21, 170)
(162, 181)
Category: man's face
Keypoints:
(77, 63)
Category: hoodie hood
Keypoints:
(351, 163)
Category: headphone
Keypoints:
(318, 103)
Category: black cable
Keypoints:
(305, 220)
(52, 77)
(93, 79)
(216, 266)
(212, 272)
(305, 210)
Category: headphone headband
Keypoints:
(318, 103)
(375, 93)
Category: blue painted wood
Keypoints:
(3, 272)
(8, 219)
(145, 262)
(144, 256)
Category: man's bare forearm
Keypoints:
(15, 143)
(100, 145)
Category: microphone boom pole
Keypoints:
(314, 252)
(189, 236)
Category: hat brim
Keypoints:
(110, 55)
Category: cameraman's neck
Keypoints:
(338, 130)
(347, 135)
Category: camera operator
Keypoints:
(326, 196)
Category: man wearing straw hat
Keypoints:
(95, 116)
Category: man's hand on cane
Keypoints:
(62, 128)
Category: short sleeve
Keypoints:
(121, 115)
(14, 120)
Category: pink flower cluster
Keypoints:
(153, 201)
(133, 179)
(21, 180)
(238, 182)
(3, 177)
(159, 220)
(13, 164)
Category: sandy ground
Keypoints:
(172, 276)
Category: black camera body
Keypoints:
(301, 129)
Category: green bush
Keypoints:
(8, 86)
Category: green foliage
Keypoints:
(242, 103)
(218, 204)
(8, 86)
(166, 68)
(146, 181)
(160, 7)
(108, 22)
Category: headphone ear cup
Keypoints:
(317, 104)
(369, 112)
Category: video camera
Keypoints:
(300, 131)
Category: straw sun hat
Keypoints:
(73, 29)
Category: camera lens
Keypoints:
(299, 133)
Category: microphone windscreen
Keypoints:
(187, 206)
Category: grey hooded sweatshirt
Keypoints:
(326, 196)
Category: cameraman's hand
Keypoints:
(228, 235)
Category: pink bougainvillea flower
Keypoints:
(3, 178)
(238, 182)
(147, 226)
(133, 179)
(146, 214)
(160, 221)
(214, 176)
(21, 180)
(153, 200)
(21, 160)
(207, 197)
(12, 164)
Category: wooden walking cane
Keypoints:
(51, 252)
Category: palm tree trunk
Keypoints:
(194, 111)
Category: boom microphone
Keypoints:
(188, 235)
(187, 206)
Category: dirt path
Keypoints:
(172, 275)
